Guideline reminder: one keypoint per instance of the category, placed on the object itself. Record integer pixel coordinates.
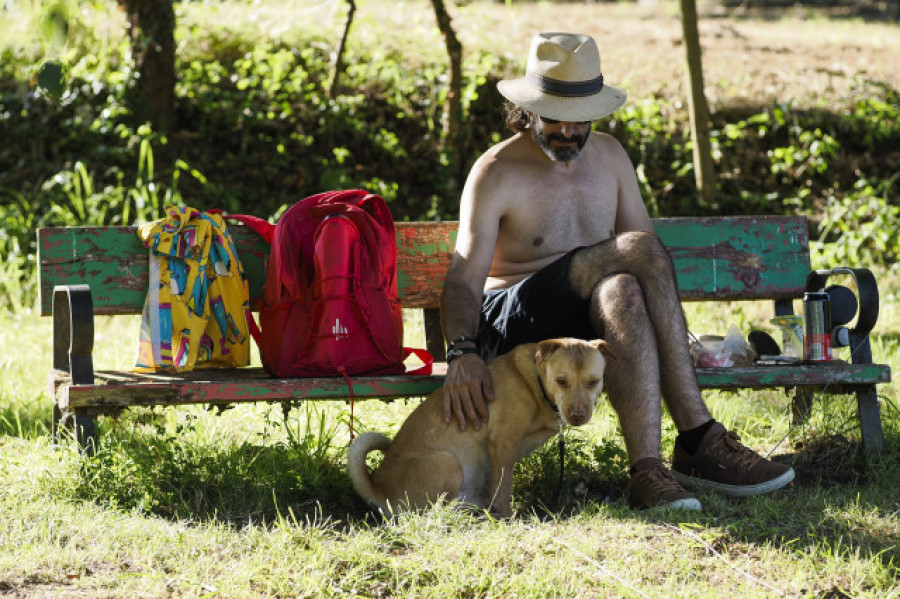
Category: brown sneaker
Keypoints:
(652, 486)
(723, 464)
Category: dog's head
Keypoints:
(572, 374)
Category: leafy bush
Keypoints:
(256, 130)
(861, 226)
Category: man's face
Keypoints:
(561, 141)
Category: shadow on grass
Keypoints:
(183, 472)
(237, 485)
(838, 499)
(153, 468)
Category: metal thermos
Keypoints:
(817, 326)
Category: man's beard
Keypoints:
(559, 153)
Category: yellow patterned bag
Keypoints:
(195, 314)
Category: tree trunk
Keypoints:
(338, 67)
(151, 27)
(704, 174)
(452, 120)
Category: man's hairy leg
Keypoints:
(642, 255)
(632, 378)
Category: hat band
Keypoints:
(568, 89)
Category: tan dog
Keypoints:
(429, 458)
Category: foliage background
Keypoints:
(255, 129)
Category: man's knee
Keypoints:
(637, 253)
(621, 291)
(621, 310)
(644, 251)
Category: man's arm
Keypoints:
(631, 212)
(468, 383)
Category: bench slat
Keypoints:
(115, 390)
(715, 258)
(738, 258)
(114, 263)
(834, 376)
(118, 390)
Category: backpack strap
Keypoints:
(266, 230)
(254, 328)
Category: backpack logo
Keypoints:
(339, 331)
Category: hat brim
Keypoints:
(562, 108)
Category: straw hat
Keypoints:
(563, 80)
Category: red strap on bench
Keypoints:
(426, 358)
(265, 229)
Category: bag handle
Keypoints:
(327, 209)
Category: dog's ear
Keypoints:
(546, 348)
(603, 347)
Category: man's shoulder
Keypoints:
(510, 147)
(511, 153)
(605, 140)
(499, 174)
(609, 149)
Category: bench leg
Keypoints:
(82, 427)
(801, 406)
(55, 422)
(870, 420)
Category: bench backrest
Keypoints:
(715, 258)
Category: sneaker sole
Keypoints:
(687, 504)
(735, 490)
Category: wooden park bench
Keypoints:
(88, 271)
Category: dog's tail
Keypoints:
(359, 474)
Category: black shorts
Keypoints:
(543, 306)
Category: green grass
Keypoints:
(191, 502)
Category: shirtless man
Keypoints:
(554, 240)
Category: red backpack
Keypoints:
(330, 305)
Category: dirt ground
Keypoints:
(789, 55)
(745, 59)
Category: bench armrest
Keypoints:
(73, 332)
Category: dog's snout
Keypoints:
(578, 415)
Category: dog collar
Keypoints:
(560, 436)
(552, 405)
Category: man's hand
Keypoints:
(466, 388)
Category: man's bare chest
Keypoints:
(556, 220)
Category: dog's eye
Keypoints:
(593, 383)
(562, 382)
